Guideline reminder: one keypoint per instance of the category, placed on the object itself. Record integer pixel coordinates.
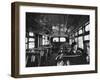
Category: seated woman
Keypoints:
(78, 55)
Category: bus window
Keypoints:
(31, 43)
(80, 42)
(80, 31)
(87, 28)
(55, 39)
(70, 41)
(45, 40)
(26, 40)
(87, 37)
(31, 34)
(76, 34)
(31, 39)
(62, 39)
(75, 39)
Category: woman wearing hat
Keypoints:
(78, 55)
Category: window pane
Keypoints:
(45, 40)
(31, 34)
(80, 42)
(26, 46)
(31, 39)
(87, 37)
(80, 31)
(75, 39)
(62, 39)
(31, 45)
(26, 40)
(55, 39)
(70, 41)
(87, 28)
(76, 34)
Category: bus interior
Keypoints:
(50, 38)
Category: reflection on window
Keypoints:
(62, 39)
(56, 39)
(80, 42)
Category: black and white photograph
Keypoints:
(51, 39)
(57, 39)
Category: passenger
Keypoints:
(87, 51)
(66, 51)
(59, 58)
(75, 49)
(42, 57)
(78, 55)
